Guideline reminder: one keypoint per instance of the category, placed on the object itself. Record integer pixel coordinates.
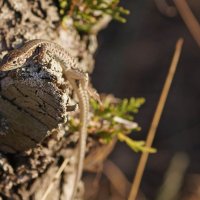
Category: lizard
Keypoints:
(45, 49)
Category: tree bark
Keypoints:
(35, 102)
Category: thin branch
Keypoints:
(57, 175)
(174, 177)
(117, 178)
(72, 7)
(189, 19)
(155, 121)
(165, 9)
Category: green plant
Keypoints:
(87, 13)
(114, 118)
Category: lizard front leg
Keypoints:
(43, 55)
(84, 79)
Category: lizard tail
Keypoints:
(84, 110)
(80, 89)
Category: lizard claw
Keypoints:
(94, 94)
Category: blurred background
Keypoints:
(133, 60)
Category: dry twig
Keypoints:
(57, 175)
(189, 19)
(165, 9)
(117, 178)
(73, 5)
(156, 119)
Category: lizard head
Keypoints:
(13, 60)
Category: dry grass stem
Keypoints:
(189, 19)
(165, 9)
(174, 177)
(155, 121)
(57, 175)
(117, 178)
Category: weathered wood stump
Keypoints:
(34, 100)
(31, 105)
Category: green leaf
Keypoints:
(135, 145)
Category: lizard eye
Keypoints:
(14, 62)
